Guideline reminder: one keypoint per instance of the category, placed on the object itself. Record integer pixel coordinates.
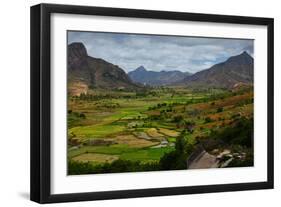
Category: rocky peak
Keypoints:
(242, 59)
(86, 72)
(140, 69)
(77, 55)
(77, 49)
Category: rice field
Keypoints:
(145, 128)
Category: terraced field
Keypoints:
(130, 127)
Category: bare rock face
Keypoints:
(77, 54)
(89, 72)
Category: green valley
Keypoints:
(144, 128)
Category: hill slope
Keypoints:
(235, 70)
(86, 72)
(141, 75)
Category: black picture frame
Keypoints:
(41, 96)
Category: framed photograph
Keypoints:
(133, 103)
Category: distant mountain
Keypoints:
(153, 78)
(86, 72)
(235, 70)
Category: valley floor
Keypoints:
(158, 129)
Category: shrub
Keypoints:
(177, 118)
(241, 133)
(208, 120)
(83, 116)
(220, 109)
(78, 168)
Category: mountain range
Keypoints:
(153, 78)
(86, 72)
(236, 69)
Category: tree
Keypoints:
(176, 160)
(220, 109)
(81, 115)
(208, 120)
(178, 118)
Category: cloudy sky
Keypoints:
(157, 53)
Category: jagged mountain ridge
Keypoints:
(153, 78)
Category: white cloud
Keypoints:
(157, 53)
